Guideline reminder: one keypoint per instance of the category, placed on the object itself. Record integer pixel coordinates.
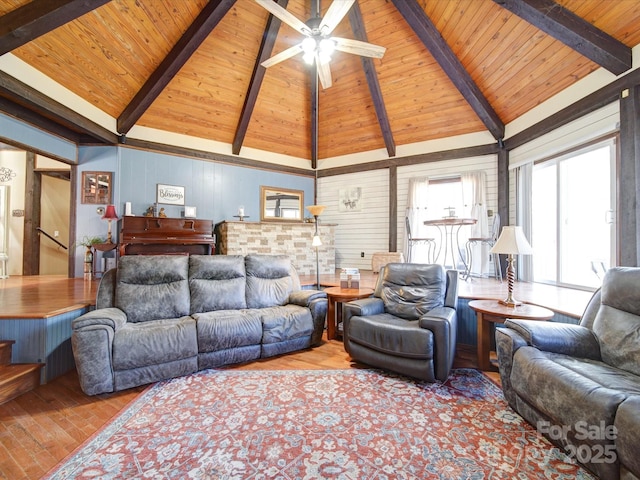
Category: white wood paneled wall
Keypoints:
(367, 230)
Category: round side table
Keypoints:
(491, 312)
(340, 295)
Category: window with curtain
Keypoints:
(461, 195)
(572, 215)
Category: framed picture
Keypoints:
(280, 204)
(96, 187)
(350, 199)
(170, 194)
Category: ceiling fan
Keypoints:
(318, 45)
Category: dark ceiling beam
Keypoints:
(32, 99)
(197, 32)
(38, 17)
(357, 25)
(315, 100)
(265, 51)
(19, 112)
(315, 94)
(573, 31)
(426, 31)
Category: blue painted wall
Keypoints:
(215, 189)
(16, 131)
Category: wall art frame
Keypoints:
(169, 194)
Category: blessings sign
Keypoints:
(170, 194)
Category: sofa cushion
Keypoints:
(216, 282)
(151, 290)
(285, 323)
(154, 342)
(269, 280)
(392, 335)
(224, 329)
(617, 323)
(409, 291)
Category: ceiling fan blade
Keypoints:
(324, 73)
(359, 48)
(288, 18)
(335, 14)
(282, 56)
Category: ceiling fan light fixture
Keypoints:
(308, 58)
(327, 46)
(323, 57)
(309, 45)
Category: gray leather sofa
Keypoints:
(580, 384)
(409, 325)
(163, 316)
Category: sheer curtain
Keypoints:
(524, 175)
(474, 197)
(416, 213)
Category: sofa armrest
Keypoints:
(110, 317)
(92, 343)
(304, 298)
(316, 302)
(443, 322)
(555, 337)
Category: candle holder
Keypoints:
(241, 214)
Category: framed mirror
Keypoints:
(281, 204)
(97, 187)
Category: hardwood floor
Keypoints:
(41, 428)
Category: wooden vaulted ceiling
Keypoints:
(451, 67)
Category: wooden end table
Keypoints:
(341, 295)
(490, 312)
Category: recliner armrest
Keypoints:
(443, 322)
(304, 297)
(362, 308)
(110, 317)
(555, 337)
(436, 316)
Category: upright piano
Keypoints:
(157, 235)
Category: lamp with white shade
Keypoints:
(511, 242)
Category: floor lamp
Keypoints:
(511, 242)
(316, 211)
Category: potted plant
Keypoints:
(88, 242)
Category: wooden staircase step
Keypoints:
(18, 378)
(5, 351)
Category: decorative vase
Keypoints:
(88, 263)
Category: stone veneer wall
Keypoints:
(272, 238)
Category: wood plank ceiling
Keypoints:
(451, 67)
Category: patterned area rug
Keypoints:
(346, 424)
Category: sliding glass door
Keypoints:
(573, 199)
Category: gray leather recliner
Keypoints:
(580, 384)
(409, 325)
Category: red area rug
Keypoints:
(347, 424)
